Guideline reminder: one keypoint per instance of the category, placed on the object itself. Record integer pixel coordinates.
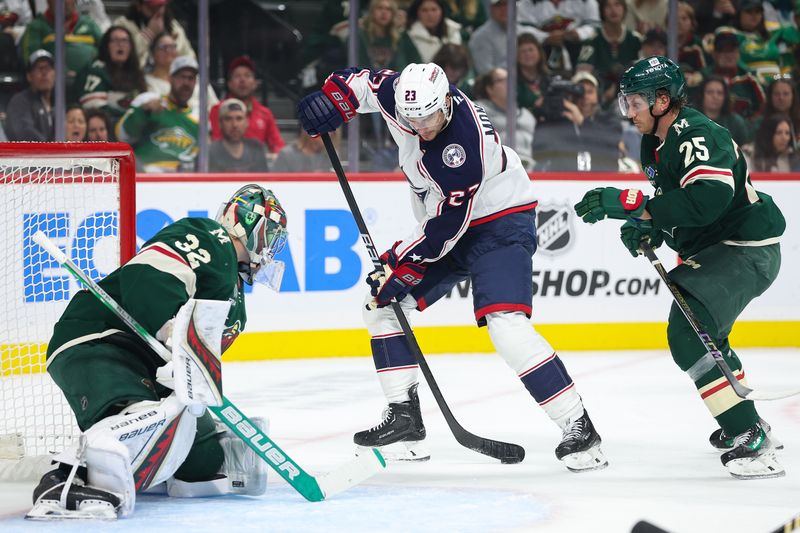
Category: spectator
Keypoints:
(75, 124)
(561, 25)
(242, 86)
(470, 14)
(533, 75)
(586, 138)
(747, 95)
(716, 105)
(234, 153)
(98, 125)
(161, 130)
(782, 98)
(611, 51)
(29, 115)
(378, 36)
(427, 30)
(489, 44)
(15, 15)
(81, 39)
(455, 61)
(645, 15)
(654, 44)
(163, 51)
(712, 14)
(774, 148)
(114, 79)
(306, 154)
(692, 58)
(491, 91)
(147, 18)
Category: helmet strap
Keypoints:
(246, 272)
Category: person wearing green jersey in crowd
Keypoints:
(136, 431)
(725, 231)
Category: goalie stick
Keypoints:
(312, 488)
(506, 452)
(740, 389)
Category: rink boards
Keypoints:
(589, 292)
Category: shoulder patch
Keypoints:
(454, 155)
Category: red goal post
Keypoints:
(83, 196)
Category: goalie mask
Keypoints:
(255, 217)
(421, 96)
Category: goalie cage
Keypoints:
(82, 195)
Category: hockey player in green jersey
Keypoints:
(725, 231)
(137, 432)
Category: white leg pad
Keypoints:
(156, 435)
(383, 321)
(242, 472)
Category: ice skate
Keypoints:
(579, 448)
(721, 441)
(400, 434)
(753, 456)
(80, 501)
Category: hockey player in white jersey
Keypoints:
(475, 209)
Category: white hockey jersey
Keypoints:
(462, 178)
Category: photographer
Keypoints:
(574, 134)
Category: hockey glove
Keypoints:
(633, 232)
(610, 202)
(324, 111)
(394, 281)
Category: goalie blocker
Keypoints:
(149, 442)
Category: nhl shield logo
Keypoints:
(454, 155)
(553, 229)
(651, 173)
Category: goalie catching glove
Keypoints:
(394, 280)
(611, 202)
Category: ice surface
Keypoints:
(654, 429)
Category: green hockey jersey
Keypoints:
(191, 258)
(703, 190)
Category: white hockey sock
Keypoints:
(537, 365)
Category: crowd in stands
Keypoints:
(134, 78)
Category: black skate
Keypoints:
(579, 448)
(753, 456)
(82, 501)
(721, 441)
(400, 434)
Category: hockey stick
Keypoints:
(741, 390)
(507, 453)
(312, 488)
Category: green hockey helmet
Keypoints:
(255, 217)
(647, 76)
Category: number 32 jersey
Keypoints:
(191, 258)
(463, 177)
(704, 195)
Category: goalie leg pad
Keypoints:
(242, 472)
(196, 352)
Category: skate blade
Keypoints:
(585, 461)
(52, 510)
(762, 467)
(401, 451)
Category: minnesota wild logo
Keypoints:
(175, 141)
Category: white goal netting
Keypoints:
(76, 202)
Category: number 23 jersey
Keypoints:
(191, 258)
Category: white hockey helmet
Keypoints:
(421, 91)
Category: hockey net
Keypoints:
(81, 195)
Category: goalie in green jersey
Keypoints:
(139, 431)
(725, 231)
